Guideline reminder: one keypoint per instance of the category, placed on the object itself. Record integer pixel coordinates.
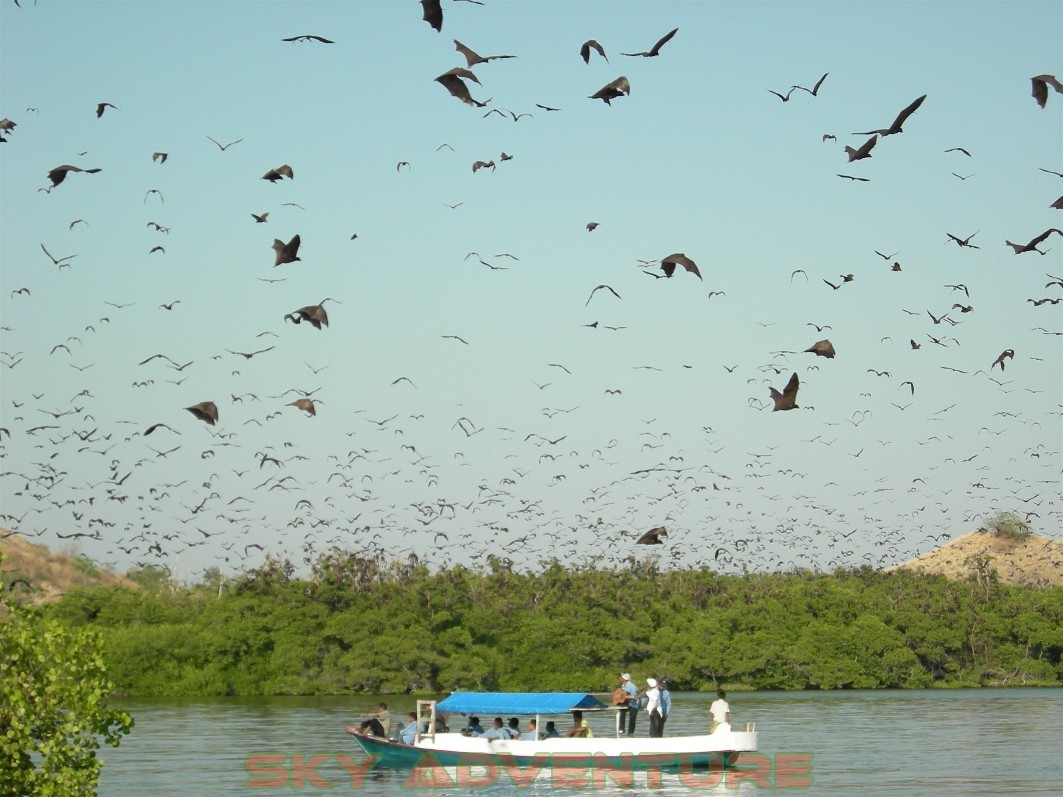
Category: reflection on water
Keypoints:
(902, 744)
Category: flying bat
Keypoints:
(964, 241)
(273, 175)
(1006, 354)
(248, 355)
(286, 252)
(669, 263)
(598, 288)
(653, 536)
(814, 91)
(473, 58)
(1040, 88)
(654, 51)
(610, 91)
(902, 117)
(587, 46)
(822, 348)
(59, 173)
(60, 261)
(309, 37)
(306, 405)
(787, 400)
(1032, 245)
(433, 13)
(314, 314)
(206, 411)
(452, 81)
(226, 146)
(864, 151)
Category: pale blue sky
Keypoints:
(699, 159)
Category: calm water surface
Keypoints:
(899, 744)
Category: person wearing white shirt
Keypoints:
(653, 707)
(720, 711)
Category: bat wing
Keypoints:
(663, 41)
(470, 56)
(902, 117)
(433, 13)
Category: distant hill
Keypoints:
(50, 575)
(1033, 561)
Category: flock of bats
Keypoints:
(460, 82)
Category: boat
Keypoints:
(451, 748)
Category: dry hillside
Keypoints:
(1033, 561)
(50, 575)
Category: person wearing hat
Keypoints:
(632, 706)
(653, 707)
(666, 703)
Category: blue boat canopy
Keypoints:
(518, 702)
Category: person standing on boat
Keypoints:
(653, 707)
(720, 711)
(666, 704)
(632, 703)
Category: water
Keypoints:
(898, 744)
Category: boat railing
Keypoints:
(426, 711)
(748, 727)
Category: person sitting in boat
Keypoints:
(532, 734)
(475, 728)
(496, 731)
(513, 729)
(375, 723)
(383, 718)
(551, 731)
(720, 711)
(373, 727)
(580, 727)
(409, 731)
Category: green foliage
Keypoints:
(83, 564)
(1008, 524)
(53, 707)
(361, 624)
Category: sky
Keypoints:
(475, 395)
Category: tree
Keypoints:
(53, 706)
(1008, 524)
